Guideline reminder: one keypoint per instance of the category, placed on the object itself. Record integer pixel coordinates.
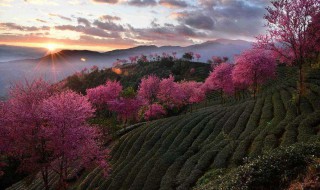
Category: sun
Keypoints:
(51, 47)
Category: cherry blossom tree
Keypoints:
(23, 130)
(71, 139)
(192, 92)
(94, 68)
(287, 22)
(40, 126)
(133, 59)
(313, 34)
(143, 59)
(101, 95)
(221, 79)
(169, 93)
(253, 67)
(216, 60)
(148, 88)
(174, 54)
(126, 108)
(192, 71)
(154, 111)
(4, 133)
(198, 56)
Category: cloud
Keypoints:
(83, 21)
(198, 21)
(168, 34)
(39, 20)
(142, 3)
(225, 18)
(88, 31)
(83, 40)
(41, 2)
(173, 3)
(13, 26)
(106, 1)
(109, 18)
(6, 3)
(108, 25)
(60, 16)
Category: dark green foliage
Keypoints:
(132, 74)
(273, 170)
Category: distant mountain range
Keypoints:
(17, 63)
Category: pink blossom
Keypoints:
(221, 79)
(148, 88)
(253, 67)
(192, 92)
(154, 111)
(126, 108)
(169, 93)
(102, 94)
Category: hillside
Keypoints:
(173, 153)
(60, 65)
(130, 75)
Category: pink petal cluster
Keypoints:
(126, 108)
(192, 92)
(221, 79)
(169, 93)
(148, 88)
(154, 111)
(102, 94)
(253, 67)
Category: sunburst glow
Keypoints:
(51, 47)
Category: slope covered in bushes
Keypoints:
(173, 153)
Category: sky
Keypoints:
(104, 25)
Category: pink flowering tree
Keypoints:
(154, 111)
(198, 56)
(73, 142)
(174, 54)
(169, 93)
(192, 92)
(287, 22)
(126, 108)
(22, 125)
(253, 67)
(43, 128)
(221, 79)
(4, 134)
(148, 89)
(143, 59)
(192, 71)
(101, 95)
(313, 34)
(216, 60)
(133, 59)
(94, 68)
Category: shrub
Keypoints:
(273, 170)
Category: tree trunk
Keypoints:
(44, 173)
(255, 86)
(300, 89)
(221, 92)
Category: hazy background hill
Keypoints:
(17, 63)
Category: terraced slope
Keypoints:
(174, 153)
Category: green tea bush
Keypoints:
(273, 170)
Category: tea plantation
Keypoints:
(175, 152)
